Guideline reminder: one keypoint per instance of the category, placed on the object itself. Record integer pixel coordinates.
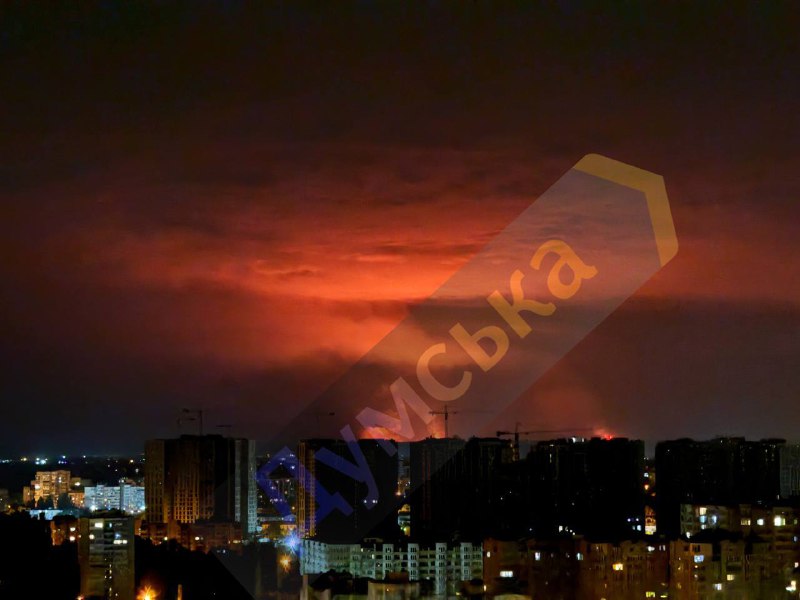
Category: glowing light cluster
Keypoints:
(147, 593)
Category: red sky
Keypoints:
(202, 212)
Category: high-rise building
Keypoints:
(106, 557)
(48, 485)
(101, 497)
(761, 473)
(463, 488)
(131, 497)
(324, 464)
(433, 474)
(722, 471)
(126, 496)
(591, 487)
(790, 471)
(201, 478)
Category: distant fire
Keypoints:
(604, 434)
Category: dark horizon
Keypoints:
(263, 448)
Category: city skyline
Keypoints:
(399, 300)
(574, 517)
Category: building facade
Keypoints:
(722, 471)
(201, 478)
(48, 485)
(470, 488)
(126, 497)
(722, 568)
(363, 503)
(106, 557)
(446, 566)
(790, 471)
(590, 487)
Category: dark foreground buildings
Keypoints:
(722, 471)
(574, 518)
(461, 489)
(592, 487)
(347, 491)
(475, 489)
(467, 490)
(584, 519)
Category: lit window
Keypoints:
(718, 586)
(730, 577)
(698, 558)
(759, 522)
(779, 521)
(618, 566)
(506, 574)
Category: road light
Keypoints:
(286, 562)
(147, 593)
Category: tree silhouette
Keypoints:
(44, 503)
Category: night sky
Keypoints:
(224, 206)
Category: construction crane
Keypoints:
(446, 414)
(516, 433)
(225, 426)
(198, 416)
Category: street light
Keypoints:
(286, 562)
(147, 593)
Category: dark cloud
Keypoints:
(227, 204)
(668, 367)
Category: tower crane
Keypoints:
(198, 416)
(446, 414)
(516, 433)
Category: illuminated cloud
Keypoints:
(234, 226)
